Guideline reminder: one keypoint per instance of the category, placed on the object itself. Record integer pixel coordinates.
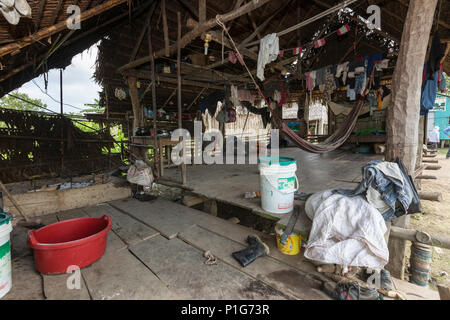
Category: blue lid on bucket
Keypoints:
(282, 161)
(4, 218)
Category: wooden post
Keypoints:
(165, 29)
(62, 118)
(138, 120)
(403, 113)
(202, 11)
(180, 111)
(158, 167)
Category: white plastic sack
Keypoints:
(345, 231)
(141, 174)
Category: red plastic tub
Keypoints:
(75, 242)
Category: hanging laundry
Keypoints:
(351, 93)
(343, 30)
(210, 102)
(436, 54)
(310, 80)
(330, 86)
(268, 52)
(246, 95)
(263, 112)
(383, 64)
(320, 76)
(281, 53)
(297, 50)
(234, 96)
(342, 69)
(232, 57)
(371, 60)
(319, 43)
(276, 96)
(360, 82)
(429, 90)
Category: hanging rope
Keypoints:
(334, 141)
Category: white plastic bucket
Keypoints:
(5, 254)
(278, 183)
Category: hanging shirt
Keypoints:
(434, 135)
(268, 52)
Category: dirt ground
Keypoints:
(435, 218)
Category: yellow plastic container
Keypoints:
(293, 244)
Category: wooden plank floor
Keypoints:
(316, 172)
(155, 251)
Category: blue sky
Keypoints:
(78, 85)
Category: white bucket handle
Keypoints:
(281, 191)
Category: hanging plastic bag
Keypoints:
(141, 174)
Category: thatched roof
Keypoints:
(119, 37)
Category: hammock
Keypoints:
(334, 141)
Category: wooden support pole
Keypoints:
(431, 196)
(180, 111)
(170, 97)
(62, 117)
(165, 29)
(157, 166)
(142, 34)
(202, 11)
(403, 113)
(138, 119)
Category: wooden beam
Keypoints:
(189, 7)
(165, 29)
(37, 23)
(158, 166)
(159, 78)
(195, 99)
(143, 31)
(138, 119)
(187, 38)
(180, 111)
(56, 12)
(46, 32)
(414, 236)
(202, 11)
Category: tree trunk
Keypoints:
(403, 113)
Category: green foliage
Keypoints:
(93, 107)
(10, 102)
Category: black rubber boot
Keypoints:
(256, 249)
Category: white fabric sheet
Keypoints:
(345, 231)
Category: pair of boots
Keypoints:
(256, 249)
